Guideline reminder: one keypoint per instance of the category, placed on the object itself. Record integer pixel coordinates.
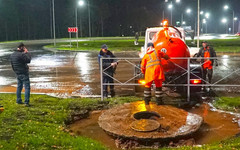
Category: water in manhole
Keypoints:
(146, 121)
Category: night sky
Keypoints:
(31, 19)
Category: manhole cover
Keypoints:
(145, 125)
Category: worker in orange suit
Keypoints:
(152, 68)
(209, 58)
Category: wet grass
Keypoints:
(123, 44)
(228, 103)
(42, 126)
(95, 45)
(17, 41)
(223, 45)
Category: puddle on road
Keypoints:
(216, 127)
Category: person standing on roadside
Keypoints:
(209, 57)
(109, 66)
(19, 60)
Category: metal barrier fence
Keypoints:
(227, 68)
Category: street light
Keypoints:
(226, 7)
(201, 12)
(170, 6)
(188, 11)
(205, 22)
(183, 22)
(207, 15)
(224, 21)
(178, 1)
(80, 3)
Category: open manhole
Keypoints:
(146, 115)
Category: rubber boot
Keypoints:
(112, 93)
(159, 96)
(147, 95)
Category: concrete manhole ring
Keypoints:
(124, 121)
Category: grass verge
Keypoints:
(122, 44)
(17, 41)
(223, 45)
(95, 45)
(42, 125)
(228, 103)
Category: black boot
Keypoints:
(159, 96)
(112, 93)
(147, 95)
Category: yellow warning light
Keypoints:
(143, 82)
(165, 23)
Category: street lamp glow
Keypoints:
(178, 1)
(188, 11)
(224, 20)
(226, 7)
(201, 12)
(183, 22)
(207, 15)
(204, 21)
(170, 6)
(235, 18)
(81, 3)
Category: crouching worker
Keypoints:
(109, 66)
(152, 68)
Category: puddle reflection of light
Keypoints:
(83, 63)
(225, 60)
(46, 61)
(4, 52)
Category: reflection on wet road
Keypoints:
(77, 73)
(63, 73)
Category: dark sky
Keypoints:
(31, 19)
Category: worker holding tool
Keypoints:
(207, 52)
(152, 68)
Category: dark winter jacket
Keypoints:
(19, 61)
(107, 62)
(211, 51)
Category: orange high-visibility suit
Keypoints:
(152, 68)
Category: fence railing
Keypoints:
(227, 68)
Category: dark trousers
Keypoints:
(107, 79)
(207, 73)
(23, 79)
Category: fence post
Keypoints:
(101, 80)
(188, 82)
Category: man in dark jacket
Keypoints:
(108, 66)
(207, 52)
(19, 61)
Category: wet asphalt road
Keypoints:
(63, 73)
(67, 73)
